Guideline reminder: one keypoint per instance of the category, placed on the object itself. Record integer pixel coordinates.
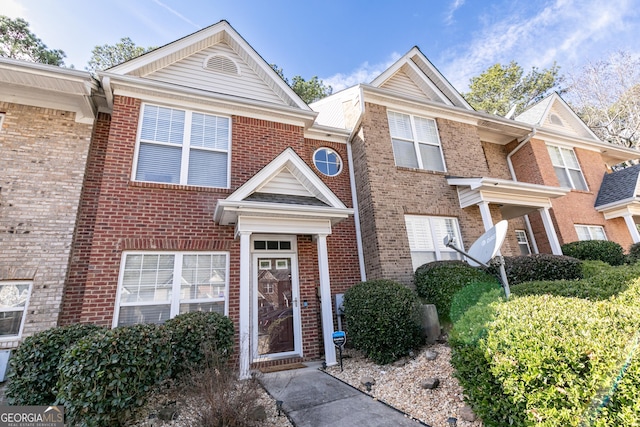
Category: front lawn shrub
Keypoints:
(592, 268)
(196, 333)
(106, 376)
(34, 364)
(634, 253)
(526, 268)
(469, 296)
(437, 282)
(602, 250)
(383, 319)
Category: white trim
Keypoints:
(325, 297)
(1, 121)
(416, 142)
(4, 338)
(589, 229)
(330, 151)
(174, 302)
(566, 167)
(525, 241)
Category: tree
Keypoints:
(309, 90)
(107, 56)
(606, 95)
(18, 42)
(501, 89)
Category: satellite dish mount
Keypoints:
(485, 249)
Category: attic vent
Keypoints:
(221, 64)
(556, 120)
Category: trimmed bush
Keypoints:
(437, 282)
(34, 364)
(634, 253)
(469, 296)
(526, 268)
(106, 376)
(602, 250)
(592, 268)
(383, 319)
(194, 334)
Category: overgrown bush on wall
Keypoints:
(526, 268)
(602, 250)
(437, 282)
(551, 361)
(383, 319)
(106, 376)
(34, 364)
(195, 334)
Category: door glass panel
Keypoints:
(275, 306)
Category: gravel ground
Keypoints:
(400, 384)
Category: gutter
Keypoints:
(514, 178)
(354, 194)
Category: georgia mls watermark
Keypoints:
(31, 416)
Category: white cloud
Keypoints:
(365, 73)
(14, 9)
(563, 31)
(455, 5)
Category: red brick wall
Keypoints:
(118, 215)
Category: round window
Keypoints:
(327, 161)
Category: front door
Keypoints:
(276, 311)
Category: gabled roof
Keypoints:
(413, 73)
(554, 113)
(618, 186)
(184, 63)
(286, 187)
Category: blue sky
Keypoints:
(351, 41)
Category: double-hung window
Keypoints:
(156, 286)
(183, 147)
(415, 141)
(14, 299)
(590, 232)
(523, 242)
(426, 238)
(567, 167)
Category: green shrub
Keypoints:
(34, 364)
(526, 268)
(383, 319)
(609, 282)
(602, 250)
(634, 253)
(592, 268)
(469, 296)
(193, 334)
(106, 376)
(437, 282)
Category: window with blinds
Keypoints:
(183, 147)
(154, 287)
(415, 142)
(14, 300)
(426, 238)
(590, 232)
(567, 167)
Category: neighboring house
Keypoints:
(428, 165)
(205, 168)
(46, 122)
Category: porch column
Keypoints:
(325, 297)
(486, 215)
(245, 281)
(631, 225)
(551, 231)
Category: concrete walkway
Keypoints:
(313, 398)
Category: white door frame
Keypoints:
(295, 294)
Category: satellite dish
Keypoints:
(488, 245)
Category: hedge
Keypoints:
(602, 250)
(526, 268)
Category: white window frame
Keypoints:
(415, 141)
(562, 150)
(185, 146)
(1, 120)
(590, 229)
(17, 309)
(436, 241)
(521, 237)
(176, 284)
(323, 162)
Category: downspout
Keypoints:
(354, 194)
(514, 178)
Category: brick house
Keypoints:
(46, 121)
(210, 187)
(428, 165)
